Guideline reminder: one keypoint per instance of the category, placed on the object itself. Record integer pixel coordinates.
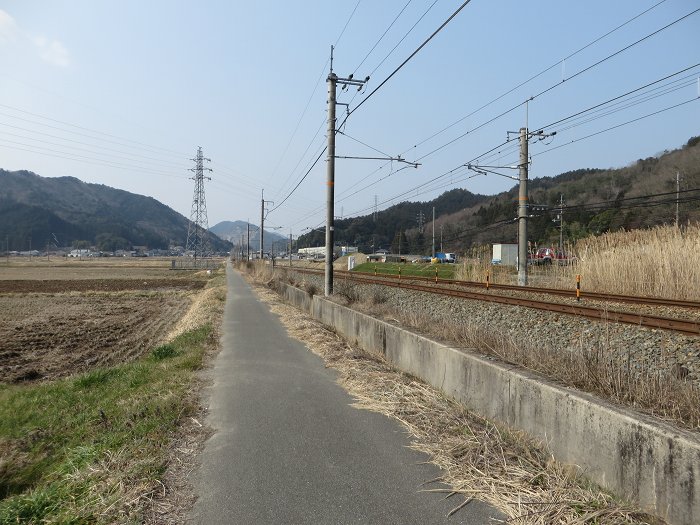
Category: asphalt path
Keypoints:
(288, 447)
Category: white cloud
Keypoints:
(51, 51)
(8, 28)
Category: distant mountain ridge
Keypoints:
(640, 195)
(237, 231)
(34, 209)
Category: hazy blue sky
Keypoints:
(123, 92)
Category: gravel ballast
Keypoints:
(643, 350)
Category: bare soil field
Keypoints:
(86, 316)
(64, 268)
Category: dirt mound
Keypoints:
(342, 262)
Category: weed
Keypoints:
(347, 290)
(91, 449)
(163, 352)
(96, 377)
(310, 288)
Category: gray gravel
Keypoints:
(642, 348)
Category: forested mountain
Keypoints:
(41, 209)
(237, 231)
(639, 195)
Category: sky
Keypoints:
(122, 93)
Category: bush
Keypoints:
(311, 289)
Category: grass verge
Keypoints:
(93, 448)
(445, 271)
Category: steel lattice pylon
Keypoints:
(197, 240)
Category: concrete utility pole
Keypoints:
(433, 254)
(247, 244)
(522, 210)
(561, 222)
(330, 175)
(290, 247)
(262, 221)
(333, 81)
(678, 194)
(523, 207)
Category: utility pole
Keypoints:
(678, 193)
(441, 249)
(561, 222)
(330, 175)
(247, 244)
(333, 81)
(375, 208)
(290, 247)
(524, 137)
(420, 217)
(522, 210)
(262, 220)
(433, 254)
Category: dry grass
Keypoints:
(662, 261)
(610, 376)
(200, 310)
(479, 459)
(474, 270)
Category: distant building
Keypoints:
(80, 253)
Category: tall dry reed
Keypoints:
(663, 261)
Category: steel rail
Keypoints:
(588, 312)
(595, 296)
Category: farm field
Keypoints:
(98, 379)
(72, 316)
(58, 268)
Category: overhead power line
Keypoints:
(382, 37)
(618, 126)
(400, 66)
(142, 144)
(547, 90)
(605, 59)
(300, 180)
(537, 75)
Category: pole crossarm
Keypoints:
(397, 159)
(483, 170)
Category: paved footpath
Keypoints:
(290, 449)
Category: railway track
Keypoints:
(685, 326)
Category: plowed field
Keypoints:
(55, 328)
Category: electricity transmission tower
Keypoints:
(420, 217)
(197, 240)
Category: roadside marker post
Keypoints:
(578, 288)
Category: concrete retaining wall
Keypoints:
(640, 459)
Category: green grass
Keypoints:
(71, 450)
(445, 271)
